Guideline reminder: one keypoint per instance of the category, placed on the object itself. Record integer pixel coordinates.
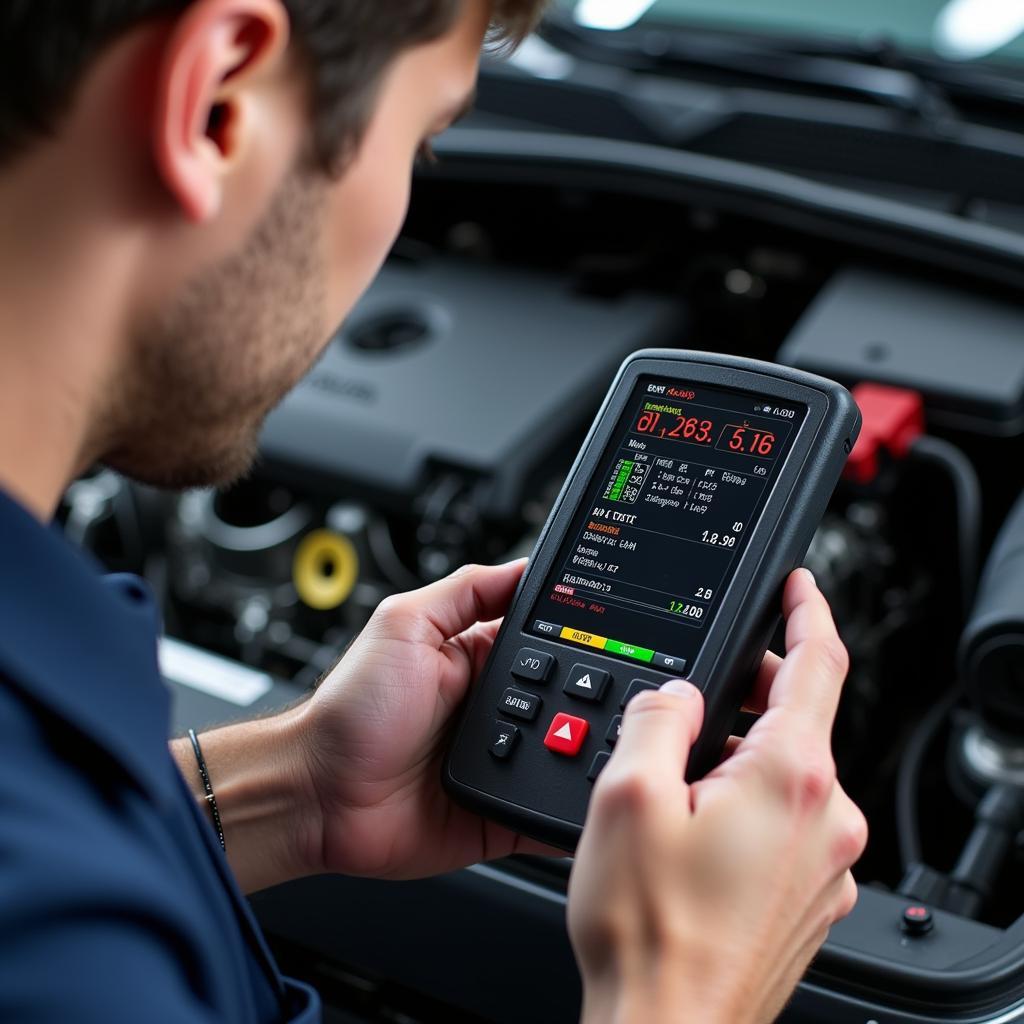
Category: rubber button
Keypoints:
(520, 704)
(503, 739)
(587, 683)
(566, 734)
(532, 665)
(597, 765)
(612, 735)
(669, 663)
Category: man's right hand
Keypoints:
(706, 902)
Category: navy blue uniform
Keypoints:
(116, 901)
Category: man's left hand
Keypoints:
(375, 732)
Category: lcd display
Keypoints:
(653, 545)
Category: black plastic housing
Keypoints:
(546, 796)
(992, 643)
(464, 395)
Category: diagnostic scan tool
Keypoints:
(696, 492)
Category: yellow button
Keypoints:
(577, 636)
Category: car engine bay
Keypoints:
(444, 415)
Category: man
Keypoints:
(193, 194)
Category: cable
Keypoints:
(968, 500)
(892, 429)
(998, 818)
(908, 778)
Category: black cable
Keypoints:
(908, 778)
(967, 488)
(998, 818)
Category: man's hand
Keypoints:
(375, 732)
(350, 781)
(706, 902)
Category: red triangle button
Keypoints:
(566, 734)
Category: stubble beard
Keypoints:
(205, 373)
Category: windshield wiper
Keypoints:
(878, 72)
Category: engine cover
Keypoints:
(448, 364)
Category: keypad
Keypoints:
(566, 734)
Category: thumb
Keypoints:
(435, 613)
(659, 728)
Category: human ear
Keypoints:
(205, 98)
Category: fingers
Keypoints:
(847, 898)
(809, 681)
(757, 700)
(658, 729)
(849, 831)
(433, 614)
(476, 643)
(789, 748)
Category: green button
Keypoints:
(639, 653)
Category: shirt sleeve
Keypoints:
(85, 935)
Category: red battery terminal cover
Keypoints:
(893, 421)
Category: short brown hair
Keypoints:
(47, 45)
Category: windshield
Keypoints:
(990, 31)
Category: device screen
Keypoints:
(653, 545)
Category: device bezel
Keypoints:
(803, 485)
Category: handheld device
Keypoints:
(697, 491)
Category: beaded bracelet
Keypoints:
(208, 788)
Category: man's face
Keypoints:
(207, 369)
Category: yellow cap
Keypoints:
(325, 569)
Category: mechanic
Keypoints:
(193, 194)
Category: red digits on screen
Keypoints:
(691, 428)
(687, 428)
(751, 442)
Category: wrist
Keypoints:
(665, 993)
(267, 802)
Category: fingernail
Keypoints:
(810, 576)
(681, 688)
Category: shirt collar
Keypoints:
(84, 645)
